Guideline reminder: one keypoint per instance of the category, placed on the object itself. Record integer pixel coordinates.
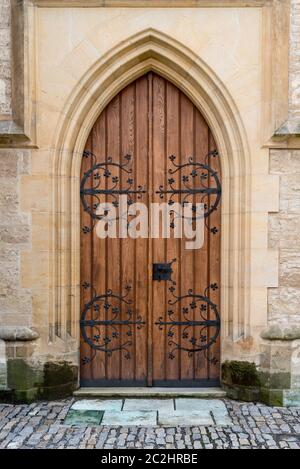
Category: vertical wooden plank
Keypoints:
(128, 245)
(187, 149)
(159, 251)
(113, 248)
(173, 245)
(214, 265)
(150, 316)
(99, 254)
(85, 272)
(141, 245)
(201, 255)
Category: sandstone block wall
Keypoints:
(15, 225)
(295, 59)
(5, 58)
(284, 234)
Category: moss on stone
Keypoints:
(29, 382)
(240, 373)
(271, 397)
(243, 381)
(22, 376)
(59, 373)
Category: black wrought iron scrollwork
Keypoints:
(208, 320)
(205, 182)
(100, 184)
(108, 339)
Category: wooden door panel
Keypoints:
(136, 330)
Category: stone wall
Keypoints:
(284, 227)
(295, 59)
(15, 232)
(5, 59)
(15, 304)
(284, 234)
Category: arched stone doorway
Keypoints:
(137, 328)
(153, 51)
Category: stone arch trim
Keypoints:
(152, 50)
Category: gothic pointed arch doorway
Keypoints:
(150, 308)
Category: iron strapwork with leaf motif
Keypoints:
(194, 334)
(101, 184)
(101, 319)
(196, 179)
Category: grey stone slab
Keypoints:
(98, 404)
(83, 417)
(149, 404)
(201, 404)
(185, 418)
(129, 418)
(151, 392)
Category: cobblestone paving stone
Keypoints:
(40, 425)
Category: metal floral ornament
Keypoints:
(101, 319)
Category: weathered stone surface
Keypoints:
(98, 404)
(130, 418)
(277, 332)
(3, 366)
(149, 404)
(83, 417)
(9, 197)
(284, 232)
(191, 417)
(10, 270)
(284, 305)
(5, 59)
(283, 229)
(289, 273)
(18, 333)
(294, 59)
(15, 234)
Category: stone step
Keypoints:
(211, 393)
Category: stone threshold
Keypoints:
(212, 393)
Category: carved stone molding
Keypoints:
(20, 131)
(286, 333)
(17, 333)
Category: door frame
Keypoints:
(146, 51)
(145, 359)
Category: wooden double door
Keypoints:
(150, 306)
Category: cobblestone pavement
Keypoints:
(40, 425)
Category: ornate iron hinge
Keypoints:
(98, 338)
(100, 183)
(188, 305)
(207, 186)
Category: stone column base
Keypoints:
(31, 381)
(24, 378)
(276, 381)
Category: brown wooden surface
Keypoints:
(150, 119)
